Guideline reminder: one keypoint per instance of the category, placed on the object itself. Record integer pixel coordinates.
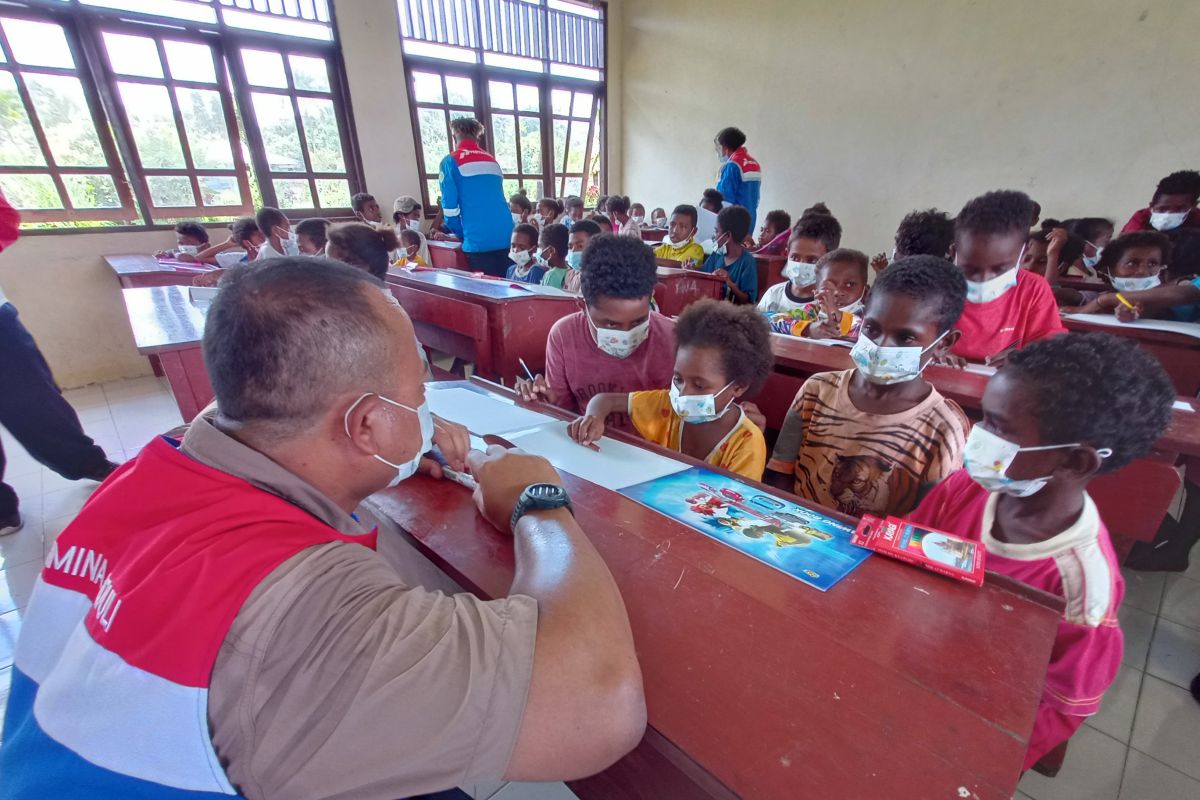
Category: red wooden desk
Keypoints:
(1179, 354)
(167, 324)
(516, 321)
(1081, 284)
(144, 270)
(447, 255)
(770, 271)
(679, 288)
(896, 683)
(654, 235)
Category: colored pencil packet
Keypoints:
(929, 548)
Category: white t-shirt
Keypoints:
(776, 299)
(265, 251)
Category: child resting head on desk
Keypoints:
(1058, 413)
(870, 439)
(835, 312)
(722, 352)
(190, 239)
(815, 234)
(1007, 307)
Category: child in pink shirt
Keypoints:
(1059, 412)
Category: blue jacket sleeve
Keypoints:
(730, 182)
(448, 182)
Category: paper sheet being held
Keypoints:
(615, 466)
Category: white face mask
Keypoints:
(888, 365)
(619, 344)
(698, 407)
(413, 225)
(993, 288)
(408, 468)
(516, 218)
(639, 219)
(189, 249)
(519, 257)
(854, 308)
(290, 246)
(987, 458)
(1135, 284)
(800, 273)
(719, 244)
(682, 242)
(1167, 220)
(540, 259)
(1091, 261)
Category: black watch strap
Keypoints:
(540, 497)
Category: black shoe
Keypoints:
(99, 475)
(11, 525)
(1196, 688)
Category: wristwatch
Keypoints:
(540, 497)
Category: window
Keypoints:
(532, 71)
(112, 117)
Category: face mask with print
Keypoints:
(800, 273)
(408, 468)
(1091, 261)
(1167, 220)
(854, 308)
(696, 408)
(188, 249)
(993, 288)
(1135, 284)
(888, 365)
(574, 259)
(519, 257)
(987, 458)
(619, 344)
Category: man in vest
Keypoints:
(216, 622)
(473, 201)
(740, 178)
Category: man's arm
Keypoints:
(729, 184)
(448, 182)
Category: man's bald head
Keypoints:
(286, 339)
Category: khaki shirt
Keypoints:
(339, 680)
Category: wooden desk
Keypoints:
(654, 235)
(679, 288)
(168, 325)
(896, 683)
(139, 270)
(1179, 354)
(447, 255)
(445, 307)
(770, 271)
(1081, 284)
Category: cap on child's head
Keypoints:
(996, 213)
(1096, 389)
(740, 333)
(928, 279)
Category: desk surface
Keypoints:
(896, 682)
(140, 263)
(485, 289)
(163, 318)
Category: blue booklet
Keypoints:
(804, 543)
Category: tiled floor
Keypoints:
(1143, 745)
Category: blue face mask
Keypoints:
(574, 259)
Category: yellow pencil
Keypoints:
(1126, 303)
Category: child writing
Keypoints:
(871, 438)
(190, 239)
(1007, 307)
(1058, 413)
(730, 260)
(525, 268)
(1172, 206)
(310, 236)
(554, 241)
(722, 352)
(680, 249)
(835, 311)
(1133, 262)
(816, 233)
(581, 233)
(616, 343)
(776, 230)
(277, 233)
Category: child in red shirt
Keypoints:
(1007, 306)
(1172, 206)
(1059, 412)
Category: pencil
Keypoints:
(1124, 302)
(525, 367)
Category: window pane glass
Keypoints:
(501, 94)
(533, 189)
(59, 103)
(309, 73)
(504, 141)
(560, 101)
(572, 187)
(189, 61)
(18, 145)
(511, 185)
(531, 145)
(153, 124)
(133, 55)
(31, 191)
(220, 191)
(434, 144)
(264, 68)
(92, 191)
(560, 144)
(277, 123)
(434, 190)
(204, 123)
(293, 193)
(582, 106)
(577, 150)
(321, 134)
(333, 193)
(38, 44)
(528, 98)
(427, 87)
(593, 171)
(459, 91)
(167, 191)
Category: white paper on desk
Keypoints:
(537, 288)
(479, 413)
(822, 342)
(1183, 405)
(981, 369)
(1110, 320)
(616, 466)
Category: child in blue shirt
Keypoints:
(730, 260)
(526, 266)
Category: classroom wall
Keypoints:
(878, 107)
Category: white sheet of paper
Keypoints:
(479, 413)
(1110, 320)
(616, 466)
(982, 369)
(1183, 405)
(537, 288)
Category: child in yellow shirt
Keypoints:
(722, 352)
(680, 249)
(409, 254)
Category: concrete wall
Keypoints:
(877, 107)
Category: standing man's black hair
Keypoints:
(731, 138)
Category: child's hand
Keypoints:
(210, 278)
(1126, 314)
(586, 429)
(949, 360)
(536, 389)
(1104, 302)
(723, 274)
(879, 263)
(453, 440)
(1055, 241)
(689, 263)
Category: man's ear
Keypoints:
(359, 424)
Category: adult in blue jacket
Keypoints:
(740, 178)
(473, 200)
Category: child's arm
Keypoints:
(590, 426)
(1157, 299)
(833, 327)
(1054, 245)
(780, 471)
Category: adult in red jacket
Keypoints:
(32, 407)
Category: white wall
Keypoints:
(878, 107)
